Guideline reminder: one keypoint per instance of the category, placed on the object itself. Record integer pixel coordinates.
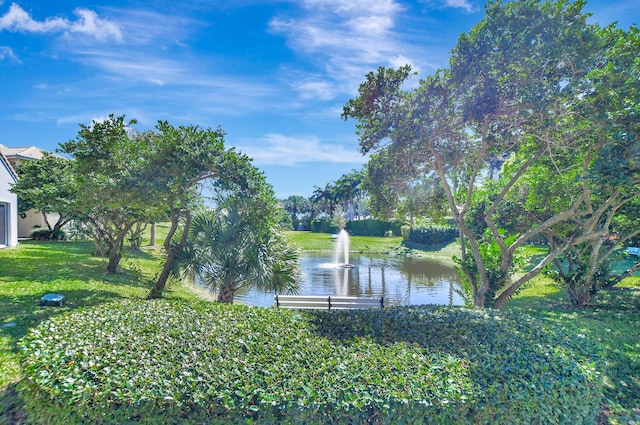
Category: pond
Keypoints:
(400, 280)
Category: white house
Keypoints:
(8, 205)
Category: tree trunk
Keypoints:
(46, 220)
(156, 291)
(115, 255)
(152, 242)
(171, 250)
(115, 248)
(226, 293)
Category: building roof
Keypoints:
(4, 162)
(22, 153)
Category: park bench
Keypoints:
(326, 302)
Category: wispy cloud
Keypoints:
(6, 52)
(279, 149)
(461, 4)
(469, 6)
(345, 39)
(148, 27)
(88, 23)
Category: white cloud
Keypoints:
(461, 4)
(381, 7)
(345, 39)
(278, 149)
(88, 23)
(7, 53)
(147, 27)
(135, 67)
(17, 19)
(314, 88)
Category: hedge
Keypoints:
(372, 227)
(431, 235)
(172, 362)
(323, 226)
(46, 234)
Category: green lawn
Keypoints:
(36, 268)
(324, 242)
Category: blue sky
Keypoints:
(273, 74)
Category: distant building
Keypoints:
(8, 205)
(32, 219)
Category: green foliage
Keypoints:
(430, 235)
(47, 185)
(496, 272)
(373, 227)
(238, 245)
(134, 237)
(196, 363)
(45, 234)
(512, 96)
(613, 322)
(323, 226)
(110, 193)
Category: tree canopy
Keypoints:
(47, 185)
(519, 90)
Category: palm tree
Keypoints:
(227, 251)
(326, 196)
(347, 191)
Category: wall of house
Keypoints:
(9, 209)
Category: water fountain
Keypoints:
(342, 250)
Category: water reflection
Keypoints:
(402, 281)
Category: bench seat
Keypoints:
(326, 302)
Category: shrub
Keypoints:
(372, 227)
(323, 226)
(46, 234)
(170, 362)
(431, 235)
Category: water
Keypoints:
(400, 280)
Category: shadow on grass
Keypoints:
(12, 410)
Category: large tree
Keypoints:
(47, 185)
(611, 112)
(298, 208)
(395, 190)
(325, 197)
(513, 91)
(179, 162)
(348, 190)
(110, 197)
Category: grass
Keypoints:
(36, 268)
(324, 242)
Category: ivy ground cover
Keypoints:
(178, 362)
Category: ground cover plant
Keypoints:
(34, 269)
(210, 363)
(613, 323)
(68, 267)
